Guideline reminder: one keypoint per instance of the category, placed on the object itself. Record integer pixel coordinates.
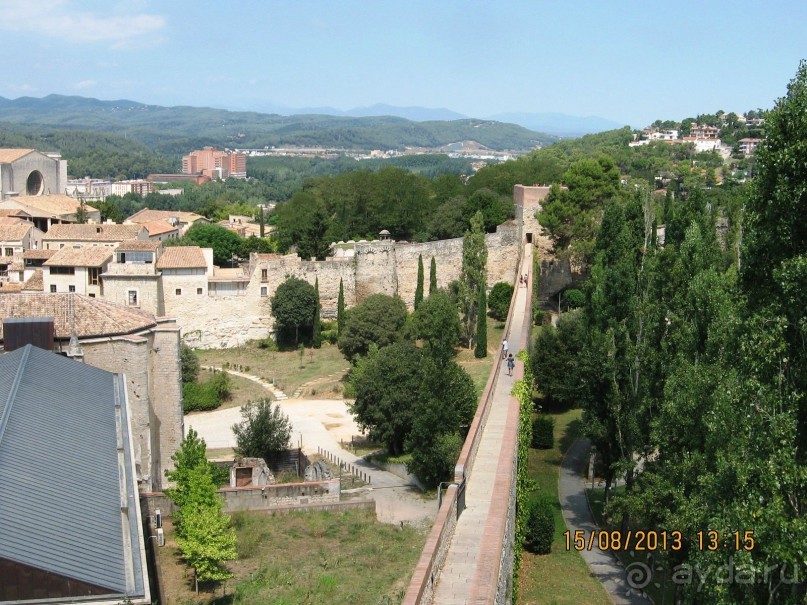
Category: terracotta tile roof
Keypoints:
(13, 220)
(14, 233)
(182, 257)
(140, 245)
(38, 254)
(92, 232)
(6, 260)
(146, 216)
(94, 256)
(34, 283)
(15, 212)
(9, 287)
(11, 155)
(159, 227)
(90, 317)
(49, 205)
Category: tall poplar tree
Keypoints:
(340, 309)
(481, 349)
(472, 276)
(316, 332)
(432, 277)
(419, 288)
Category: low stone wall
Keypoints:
(268, 497)
(285, 494)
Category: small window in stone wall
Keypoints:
(264, 291)
(71, 288)
(199, 291)
(132, 295)
(178, 292)
(53, 287)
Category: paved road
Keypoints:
(577, 514)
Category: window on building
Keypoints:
(9, 251)
(264, 274)
(178, 291)
(62, 270)
(53, 288)
(71, 288)
(92, 295)
(133, 298)
(199, 291)
(264, 291)
(92, 275)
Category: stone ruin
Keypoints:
(318, 471)
(250, 471)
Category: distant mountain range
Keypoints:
(558, 124)
(174, 130)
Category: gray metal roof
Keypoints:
(65, 506)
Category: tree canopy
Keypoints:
(379, 319)
(293, 307)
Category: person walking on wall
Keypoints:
(511, 363)
(504, 349)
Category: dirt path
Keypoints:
(326, 424)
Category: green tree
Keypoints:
(189, 363)
(316, 337)
(293, 307)
(340, 309)
(472, 276)
(206, 542)
(264, 430)
(499, 300)
(419, 287)
(387, 387)
(438, 325)
(192, 453)
(225, 243)
(433, 277)
(378, 319)
(481, 349)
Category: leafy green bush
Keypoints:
(330, 336)
(189, 361)
(267, 344)
(540, 526)
(574, 298)
(199, 397)
(222, 385)
(263, 431)
(543, 432)
(499, 300)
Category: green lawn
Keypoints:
(287, 369)
(317, 557)
(561, 577)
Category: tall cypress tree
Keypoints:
(419, 289)
(340, 309)
(316, 339)
(433, 277)
(482, 325)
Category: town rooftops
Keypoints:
(13, 233)
(35, 283)
(139, 245)
(159, 227)
(147, 215)
(107, 232)
(89, 317)
(12, 155)
(14, 212)
(68, 494)
(94, 256)
(38, 254)
(182, 257)
(48, 206)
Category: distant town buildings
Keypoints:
(215, 164)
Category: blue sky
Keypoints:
(628, 61)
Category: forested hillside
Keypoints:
(174, 131)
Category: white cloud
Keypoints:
(68, 22)
(85, 84)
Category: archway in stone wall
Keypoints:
(35, 185)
